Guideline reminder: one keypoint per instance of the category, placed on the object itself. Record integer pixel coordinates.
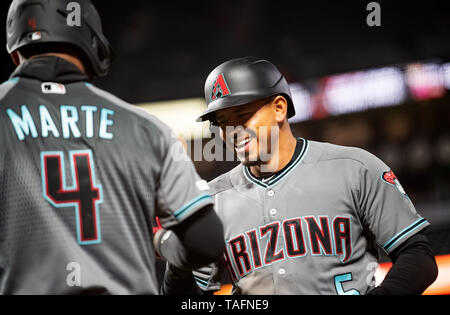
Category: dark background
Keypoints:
(166, 49)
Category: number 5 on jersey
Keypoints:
(84, 195)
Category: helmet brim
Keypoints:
(239, 100)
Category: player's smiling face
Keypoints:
(246, 130)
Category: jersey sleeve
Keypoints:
(384, 206)
(180, 192)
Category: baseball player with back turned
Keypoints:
(301, 217)
(83, 175)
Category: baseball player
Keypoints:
(311, 217)
(83, 175)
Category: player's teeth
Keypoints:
(243, 142)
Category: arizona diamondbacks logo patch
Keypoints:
(220, 88)
(390, 178)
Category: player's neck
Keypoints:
(72, 59)
(280, 157)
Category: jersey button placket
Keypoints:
(270, 205)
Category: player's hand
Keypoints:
(178, 282)
(177, 273)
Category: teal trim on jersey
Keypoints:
(274, 181)
(12, 80)
(7, 86)
(403, 233)
(201, 282)
(190, 205)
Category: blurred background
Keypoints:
(382, 88)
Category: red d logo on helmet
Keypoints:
(220, 88)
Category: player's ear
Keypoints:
(280, 106)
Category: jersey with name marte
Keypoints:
(82, 177)
(314, 228)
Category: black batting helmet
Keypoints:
(35, 22)
(241, 81)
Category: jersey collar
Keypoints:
(279, 176)
(50, 69)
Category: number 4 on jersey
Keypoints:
(84, 195)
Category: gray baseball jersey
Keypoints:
(82, 177)
(314, 228)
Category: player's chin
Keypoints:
(249, 158)
(249, 163)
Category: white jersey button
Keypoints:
(271, 193)
(273, 212)
(282, 271)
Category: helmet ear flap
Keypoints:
(15, 57)
(105, 53)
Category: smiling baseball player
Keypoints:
(312, 217)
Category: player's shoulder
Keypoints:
(328, 151)
(129, 109)
(225, 181)
(7, 86)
